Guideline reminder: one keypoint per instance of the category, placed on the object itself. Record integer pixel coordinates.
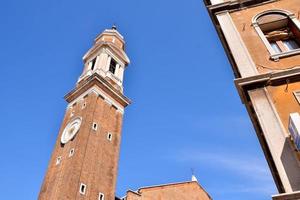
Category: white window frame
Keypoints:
(71, 152)
(101, 195)
(90, 66)
(109, 136)
(84, 188)
(58, 160)
(297, 95)
(72, 113)
(294, 129)
(94, 126)
(83, 105)
(273, 55)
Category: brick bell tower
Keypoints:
(262, 42)
(84, 162)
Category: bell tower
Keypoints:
(84, 162)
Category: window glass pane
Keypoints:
(275, 47)
(273, 21)
(112, 66)
(93, 63)
(291, 44)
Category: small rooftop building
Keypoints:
(190, 190)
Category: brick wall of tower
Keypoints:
(257, 49)
(95, 160)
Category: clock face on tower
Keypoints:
(70, 130)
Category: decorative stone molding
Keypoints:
(237, 46)
(287, 196)
(273, 55)
(98, 92)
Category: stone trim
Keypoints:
(287, 196)
(273, 55)
(273, 130)
(119, 52)
(262, 80)
(97, 80)
(232, 5)
(97, 92)
(239, 51)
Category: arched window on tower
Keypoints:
(280, 32)
(112, 66)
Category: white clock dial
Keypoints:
(70, 130)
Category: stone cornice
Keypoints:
(268, 79)
(230, 6)
(119, 52)
(99, 81)
(234, 5)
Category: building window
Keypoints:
(279, 31)
(71, 153)
(297, 95)
(275, 47)
(109, 136)
(101, 196)
(83, 105)
(294, 129)
(93, 62)
(82, 188)
(95, 126)
(115, 107)
(112, 66)
(58, 160)
(72, 113)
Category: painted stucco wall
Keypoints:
(183, 191)
(257, 49)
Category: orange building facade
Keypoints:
(262, 42)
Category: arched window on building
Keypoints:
(280, 32)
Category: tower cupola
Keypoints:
(107, 58)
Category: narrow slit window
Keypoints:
(112, 66)
(72, 113)
(58, 160)
(71, 153)
(83, 105)
(109, 136)
(101, 196)
(82, 189)
(101, 97)
(93, 62)
(115, 107)
(95, 126)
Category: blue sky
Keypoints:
(185, 114)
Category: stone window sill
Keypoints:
(277, 56)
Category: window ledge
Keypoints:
(277, 56)
(114, 77)
(292, 196)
